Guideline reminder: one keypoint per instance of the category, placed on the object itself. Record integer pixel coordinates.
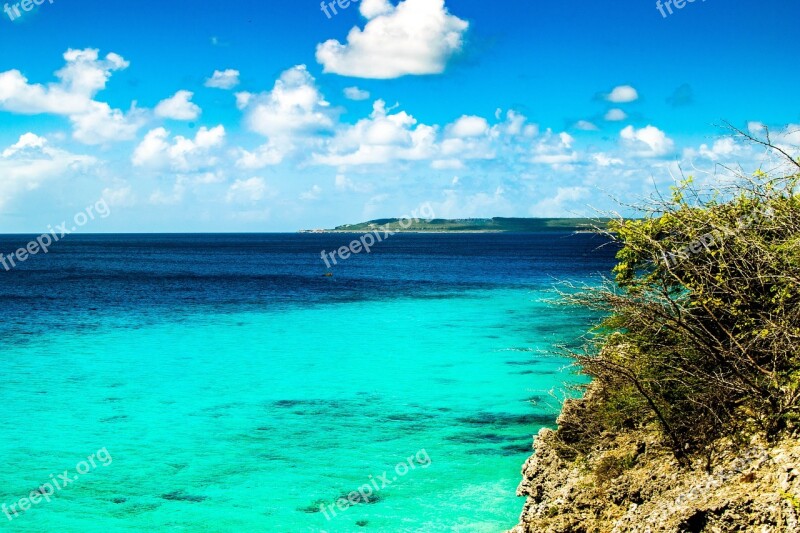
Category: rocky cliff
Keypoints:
(628, 482)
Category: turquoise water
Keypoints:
(251, 419)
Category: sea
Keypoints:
(227, 383)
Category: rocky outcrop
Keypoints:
(628, 482)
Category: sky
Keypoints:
(260, 116)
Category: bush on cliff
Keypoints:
(702, 338)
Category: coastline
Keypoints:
(469, 226)
(361, 232)
(631, 482)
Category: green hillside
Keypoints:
(497, 224)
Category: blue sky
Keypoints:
(508, 108)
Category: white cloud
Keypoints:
(467, 148)
(555, 150)
(178, 107)
(313, 193)
(294, 107)
(447, 164)
(382, 138)
(720, 149)
(514, 125)
(248, 191)
(647, 142)
(291, 116)
(209, 178)
(615, 115)
(373, 8)
(102, 124)
(119, 197)
(734, 152)
(354, 93)
(343, 183)
(223, 79)
(82, 77)
(461, 204)
(788, 138)
(243, 99)
(604, 160)
(414, 38)
(558, 206)
(585, 125)
(160, 197)
(268, 154)
(466, 138)
(27, 141)
(755, 127)
(30, 162)
(623, 94)
(468, 126)
(391, 136)
(156, 151)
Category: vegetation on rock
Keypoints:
(703, 330)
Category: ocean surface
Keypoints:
(224, 383)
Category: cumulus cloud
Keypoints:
(555, 150)
(82, 77)
(268, 154)
(585, 125)
(354, 93)
(515, 124)
(314, 193)
(251, 190)
(447, 164)
(646, 142)
(462, 204)
(416, 37)
(158, 151)
(558, 205)
(472, 148)
(604, 160)
(223, 79)
(468, 126)
(786, 138)
(101, 124)
(373, 8)
(392, 136)
(291, 115)
(30, 162)
(735, 151)
(178, 107)
(173, 197)
(789, 138)
(469, 137)
(294, 106)
(720, 149)
(381, 138)
(615, 115)
(119, 197)
(343, 183)
(623, 94)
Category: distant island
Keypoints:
(470, 225)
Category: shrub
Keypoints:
(703, 328)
